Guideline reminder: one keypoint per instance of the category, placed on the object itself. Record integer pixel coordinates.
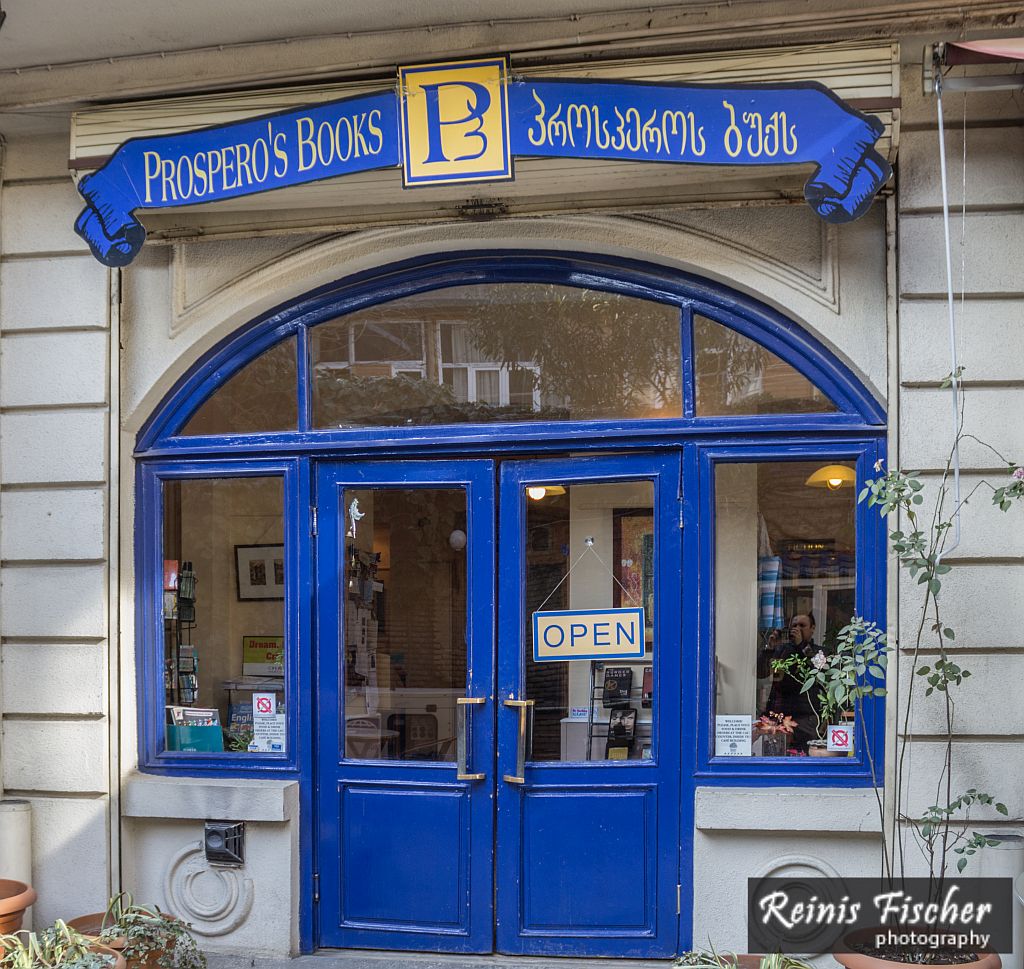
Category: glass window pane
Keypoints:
(404, 606)
(591, 709)
(528, 351)
(262, 396)
(488, 386)
(735, 375)
(223, 615)
(785, 579)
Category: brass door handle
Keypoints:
(462, 732)
(525, 708)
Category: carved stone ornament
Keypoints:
(215, 900)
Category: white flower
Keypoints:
(818, 661)
(1018, 474)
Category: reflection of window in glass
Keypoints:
(262, 396)
(785, 579)
(223, 615)
(583, 709)
(735, 375)
(404, 609)
(502, 352)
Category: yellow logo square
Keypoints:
(455, 122)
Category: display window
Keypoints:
(793, 558)
(458, 367)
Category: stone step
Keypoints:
(367, 959)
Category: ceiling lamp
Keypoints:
(539, 492)
(832, 476)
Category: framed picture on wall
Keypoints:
(633, 552)
(260, 571)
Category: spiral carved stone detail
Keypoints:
(215, 900)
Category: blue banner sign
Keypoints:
(465, 121)
(697, 125)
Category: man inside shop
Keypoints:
(786, 697)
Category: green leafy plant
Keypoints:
(801, 669)
(713, 960)
(858, 668)
(150, 936)
(59, 946)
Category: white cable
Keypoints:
(955, 378)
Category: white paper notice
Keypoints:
(268, 726)
(732, 736)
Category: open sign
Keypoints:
(588, 634)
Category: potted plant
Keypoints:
(857, 671)
(826, 709)
(712, 960)
(775, 729)
(147, 937)
(59, 947)
(15, 897)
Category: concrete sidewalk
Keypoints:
(365, 959)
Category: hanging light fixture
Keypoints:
(832, 476)
(540, 492)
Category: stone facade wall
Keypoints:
(54, 530)
(982, 597)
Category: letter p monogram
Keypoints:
(478, 100)
(455, 122)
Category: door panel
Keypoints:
(588, 818)
(405, 566)
(611, 888)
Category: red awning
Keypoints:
(995, 51)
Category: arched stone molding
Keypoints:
(159, 355)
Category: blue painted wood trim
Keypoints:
(303, 365)
(630, 278)
(689, 364)
(489, 439)
(149, 613)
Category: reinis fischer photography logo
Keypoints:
(818, 915)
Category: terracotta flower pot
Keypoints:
(106, 950)
(92, 926)
(859, 960)
(15, 897)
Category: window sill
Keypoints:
(191, 798)
(781, 809)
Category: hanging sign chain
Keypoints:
(588, 547)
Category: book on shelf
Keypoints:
(194, 716)
(186, 658)
(647, 692)
(622, 726)
(618, 681)
(616, 753)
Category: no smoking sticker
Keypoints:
(264, 704)
(840, 737)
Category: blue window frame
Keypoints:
(855, 431)
(700, 600)
(151, 479)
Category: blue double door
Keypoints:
(470, 795)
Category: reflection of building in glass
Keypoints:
(513, 351)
